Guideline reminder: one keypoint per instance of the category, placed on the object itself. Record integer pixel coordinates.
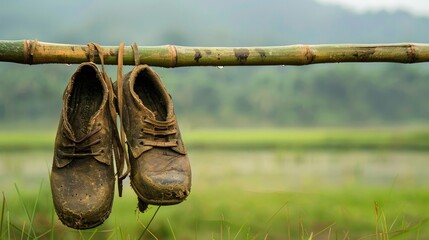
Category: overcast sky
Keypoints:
(418, 7)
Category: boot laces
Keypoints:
(79, 148)
(158, 133)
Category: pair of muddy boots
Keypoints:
(83, 175)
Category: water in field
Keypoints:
(301, 171)
(264, 170)
(232, 189)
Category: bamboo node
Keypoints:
(309, 54)
(29, 49)
(173, 53)
(411, 54)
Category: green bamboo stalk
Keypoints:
(35, 52)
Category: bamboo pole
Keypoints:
(35, 52)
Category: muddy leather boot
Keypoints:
(160, 169)
(82, 178)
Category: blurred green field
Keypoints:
(246, 193)
(312, 138)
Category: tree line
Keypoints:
(328, 95)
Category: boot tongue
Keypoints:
(157, 107)
(81, 132)
(151, 94)
(159, 117)
(85, 99)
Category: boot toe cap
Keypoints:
(81, 202)
(162, 188)
(83, 209)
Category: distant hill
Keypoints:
(192, 22)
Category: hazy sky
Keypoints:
(419, 7)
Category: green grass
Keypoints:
(320, 138)
(227, 214)
(245, 195)
(26, 140)
(309, 139)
